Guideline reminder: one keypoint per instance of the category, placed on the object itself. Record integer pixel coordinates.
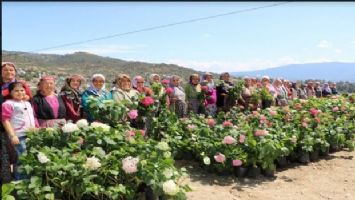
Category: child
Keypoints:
(17, 117)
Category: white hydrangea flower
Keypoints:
(168, 173)
(167, 154)
(92, 163)
(163, 146)
(170, 188)
(129, 165)
(42, 158)
(83, 123)
(100, 151)
(69, 128)
(98, 124)
(207, 160)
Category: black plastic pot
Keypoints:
(268, 172)
(282, 162)
(240, 172)
(253, 172)
(325, 152)
(303, 157)
(314, 155)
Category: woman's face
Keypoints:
(225, 77)
(140, 83)
(18, 93)
(175, 82)
(8, 73)
(125, 84)
(265, 82)
(247, 82)
(98, 82)
(47, 87)
(195, 80)
(156, 79)
(209, 78)
(75, 82)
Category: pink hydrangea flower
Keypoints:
(261, 132)
(273, 112)
(335, 109)
(204, 88)
(255, 113)
(211, 122)
(317, 120)
(165, 81)
(313, 111)
(191, 127)
(228, 140)
(142, 132)
(298, 106)
(227, 123)
(241, 138)
(147, 101)
(130, 133)
(263, 119)
(237, 163)
(133, 114)
(305, 124)
(169, 90)
(129, 165)
(219, 158)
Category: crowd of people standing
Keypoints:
(201, 95)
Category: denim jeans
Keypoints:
(20, 149)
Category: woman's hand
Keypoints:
(14, 140)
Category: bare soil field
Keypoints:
(329, 178)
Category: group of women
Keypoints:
(48, 108)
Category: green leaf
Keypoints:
(49, 196)
(7, 188)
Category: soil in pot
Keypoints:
(314, 155)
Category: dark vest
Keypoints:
(45, 111)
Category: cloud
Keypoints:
(104, 50)
(250, 65)
(324, 44)
(338, 50)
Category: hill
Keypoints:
(333, 71)
(88, 64)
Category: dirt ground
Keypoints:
(329, 178)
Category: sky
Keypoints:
(292, 33)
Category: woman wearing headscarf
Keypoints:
(49, 108)
(97, 90)
(211, 98)
(281, 93)
(71, 96)
(193, 95)
(138, 84)
(222, 92)
(326, 91)
(246, 92)
(177, 97)
(8, 74)
(123, 91)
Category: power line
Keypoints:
(160, 26)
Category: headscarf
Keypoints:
(210, 85)
(151, 78)
(92, 88)
(3, 84)
(72, 92)
(326, 88)
(135, 79)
